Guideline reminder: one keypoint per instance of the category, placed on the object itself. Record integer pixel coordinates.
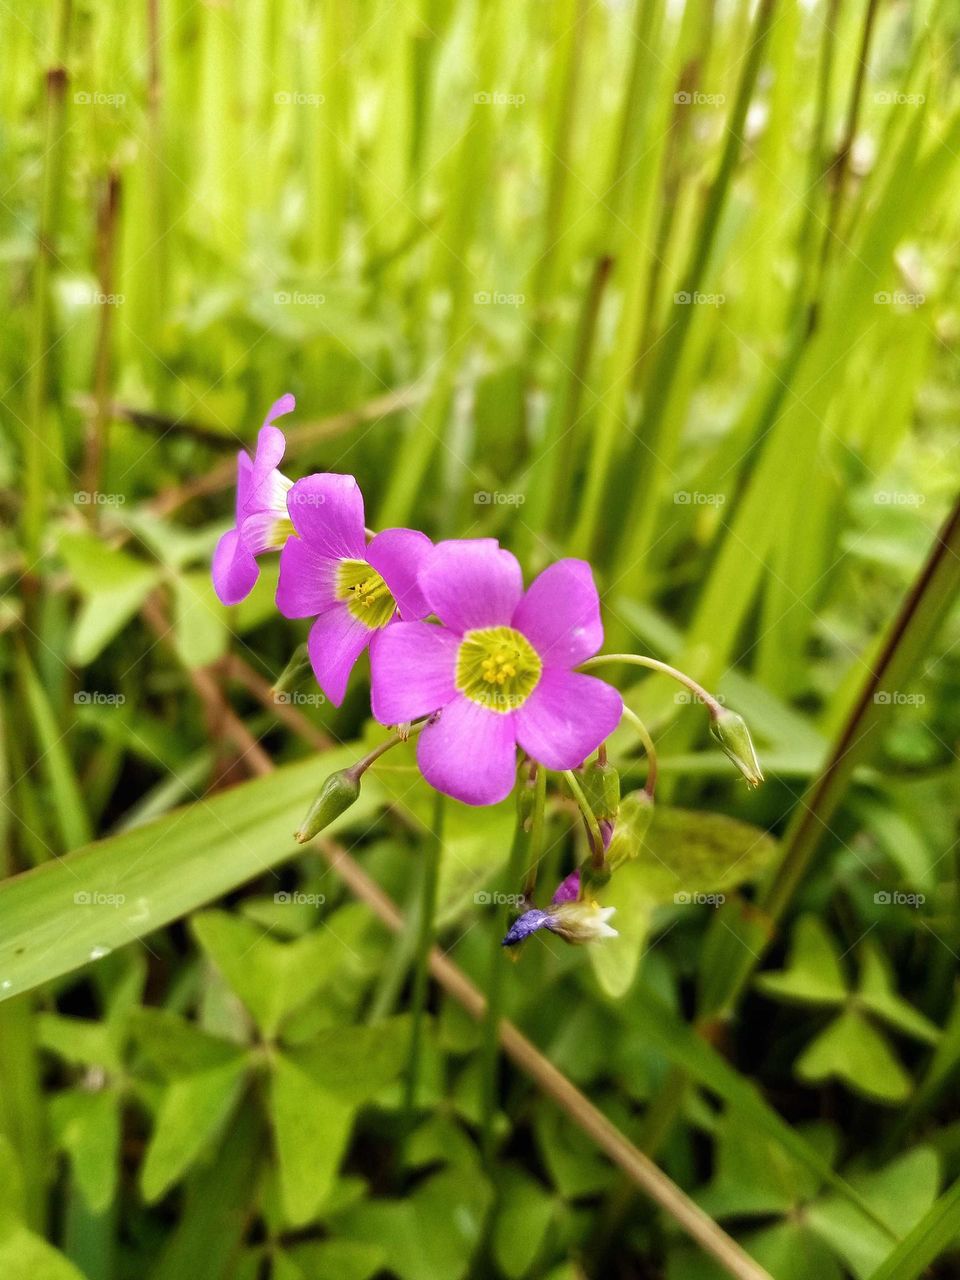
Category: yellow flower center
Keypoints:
(367, 595)
(281, 531)
(498, 668)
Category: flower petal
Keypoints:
(398, 555)
(560, 614)
(412, 667)
(525, 925)
(234, 570)
(307, 581)
(244, 484)
(327, 512)
(335, 642)
(566, 717)
(286, 404)
(470, 753)
(472, 582)
(271, 444)
(568, 890)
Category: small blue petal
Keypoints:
(526, 924)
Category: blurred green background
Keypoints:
(668, 286)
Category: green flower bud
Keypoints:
(336, 796)
(601, 786)
(731, 731)
(636, 814)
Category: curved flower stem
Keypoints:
(641, 660)
(589, 817)
(643, 733)
(428, 905)
(364, 763)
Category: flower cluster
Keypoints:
(465, 657)
(454, 639)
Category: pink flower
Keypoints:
(354, 589)
(498, 670)
(262, 523)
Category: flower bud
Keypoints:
(336, 796)
(601, 786)
(731, 731)
(636, 814)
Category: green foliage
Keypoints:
(685, 859)
(851, 1048)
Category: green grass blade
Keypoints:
(934, 1233)
(66, 913)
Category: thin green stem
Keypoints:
(364, 763)
(589, 817)
(654, 664)
(643, 733)
(537, 826)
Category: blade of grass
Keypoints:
(909, 637)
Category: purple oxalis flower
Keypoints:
(262, 523)
(498, 670)
(353, 588)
